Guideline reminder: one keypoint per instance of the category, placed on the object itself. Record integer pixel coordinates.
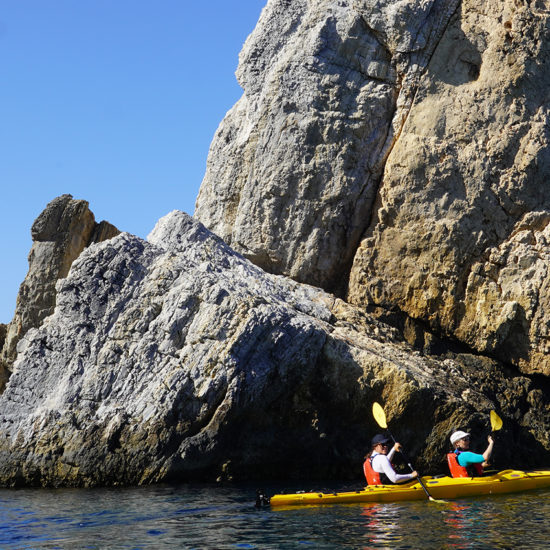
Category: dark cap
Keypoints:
(380, 438)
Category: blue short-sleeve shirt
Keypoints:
(467, 458)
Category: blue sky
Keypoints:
(113, 101)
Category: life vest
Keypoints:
(373, 477)
(461, 471)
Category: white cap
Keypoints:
(458, 435)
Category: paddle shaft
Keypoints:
(411, 467)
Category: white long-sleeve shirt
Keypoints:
(382, 465)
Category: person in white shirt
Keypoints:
(378, 468)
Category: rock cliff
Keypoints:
(295, 166)
(402, 146)
(460, 236)
(393, 155)
(178, 359)
(59, 235)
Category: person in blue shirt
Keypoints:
(462, 461)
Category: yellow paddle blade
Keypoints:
(496, 421)
(379, 415)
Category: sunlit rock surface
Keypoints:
(399, 146)
(460, 236)
(294, 167)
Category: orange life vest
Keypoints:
(373, 478)
(461, 471)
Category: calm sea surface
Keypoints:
(205, 516)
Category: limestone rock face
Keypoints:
(177, 358)
(59, 235)
(397, 154)
(294, 168)
(460, 237)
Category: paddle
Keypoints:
(380, 417)
(496, 424)
(496, 421)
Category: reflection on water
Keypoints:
(225, 517)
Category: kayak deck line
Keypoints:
(441, 487)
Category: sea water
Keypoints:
(219, 517)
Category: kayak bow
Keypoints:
(507, 481)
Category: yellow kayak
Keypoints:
(507, 481)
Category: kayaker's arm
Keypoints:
(488, 451)
(383, 462)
